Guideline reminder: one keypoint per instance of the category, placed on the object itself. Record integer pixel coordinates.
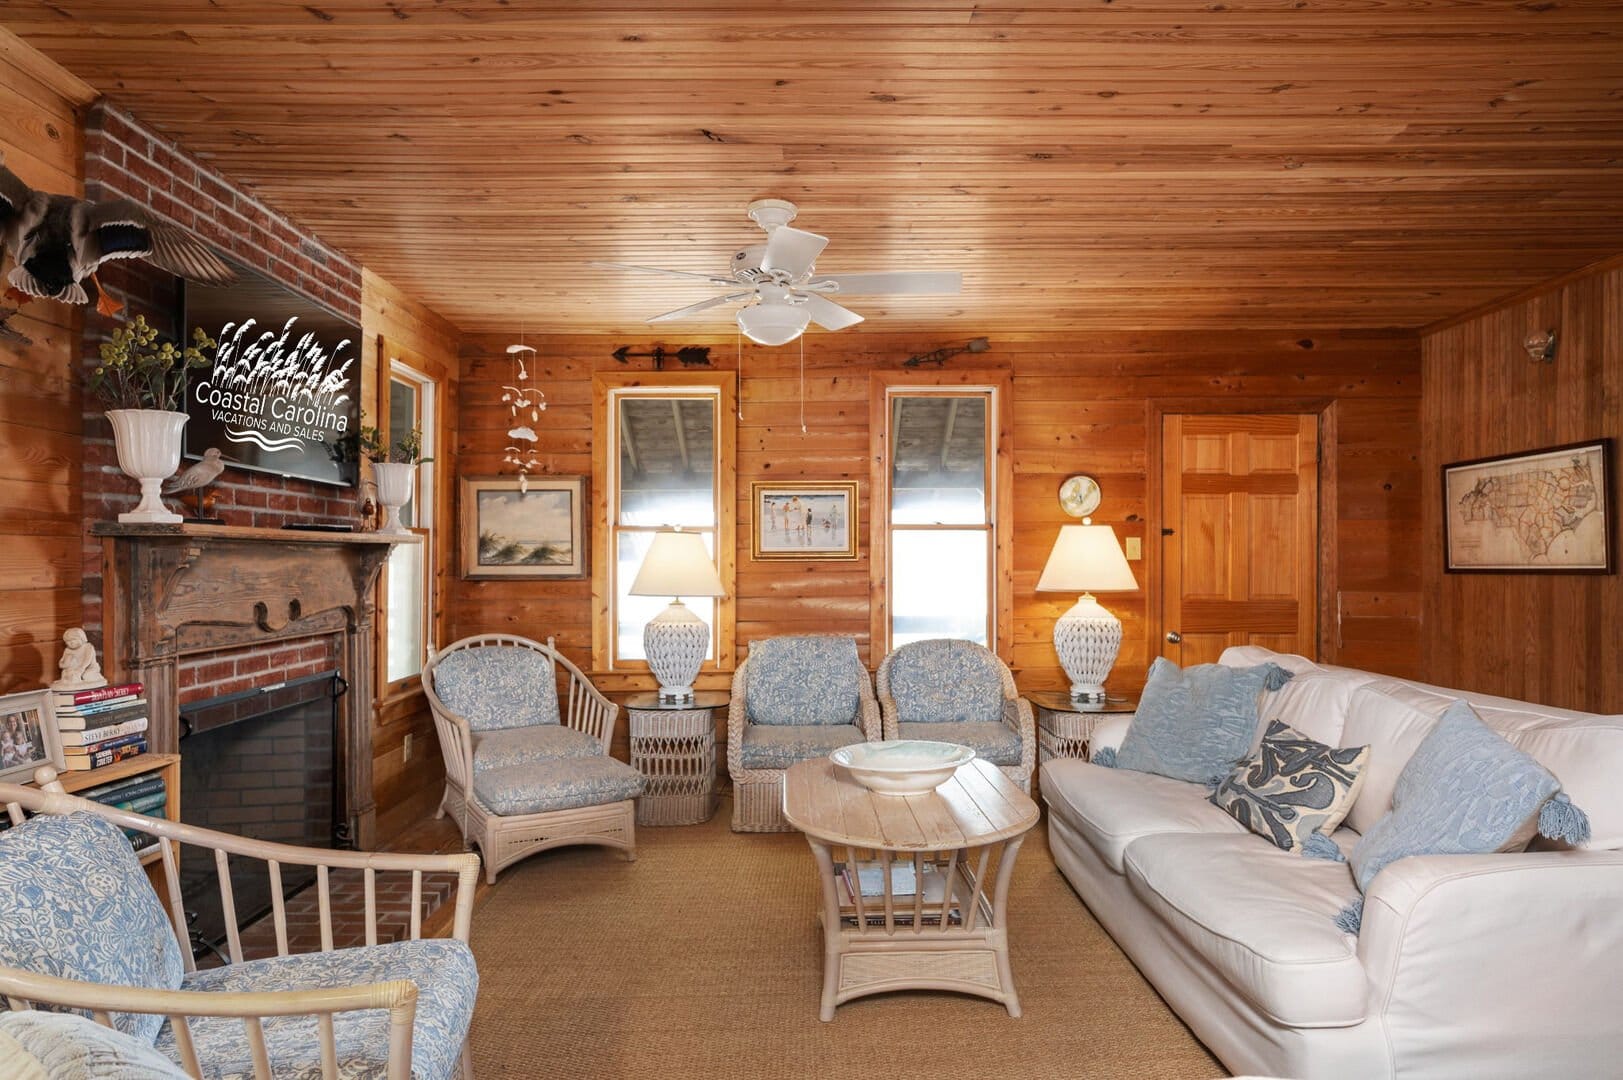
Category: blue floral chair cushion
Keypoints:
(446, 979)
(61, 1046)
(994, 742)
(946, 681)
(498, 686)
(769, 747)
(802, 681)
(525, 745)
(559, 784)
(75, 903)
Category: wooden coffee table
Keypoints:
(960, 841)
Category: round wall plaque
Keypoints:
(1079, 496)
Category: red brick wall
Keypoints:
(217, 674)
(124, 159)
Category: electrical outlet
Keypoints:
(1135, 548)
(405, 748)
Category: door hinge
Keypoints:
(1166, 532)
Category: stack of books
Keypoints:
(146, 794)
(101, 726)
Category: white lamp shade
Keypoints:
(1087, 558)
(773, 324)
(677, 564)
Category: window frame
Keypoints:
(608, 389)
(995, 386)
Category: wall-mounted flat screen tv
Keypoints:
(283, 394)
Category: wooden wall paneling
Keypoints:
(40, 402)
(1541, 637)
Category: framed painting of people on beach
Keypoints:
(530, 529)
(804, 520)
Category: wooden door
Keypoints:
(1240, 508)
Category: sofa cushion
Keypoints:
(780, 747)
(442, 968)
(1261, 917)
(36, 1045)
(520, 746)
(558, 784)
(1316, 703)
(75, 903)
(1465, 791)
(944, 680)
(994, 742)
(805, 680)
(1292, 788)
(498, 686)
(1111, 808)
(1392, 728)
(1195, 723)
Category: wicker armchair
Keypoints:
(958, 691)
(522, 774)
(81, 928)
(793, 698)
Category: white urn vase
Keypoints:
(148, 442)
(394, 482)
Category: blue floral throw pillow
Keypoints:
(1294, 790)
(1196, 723)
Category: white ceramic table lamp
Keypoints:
(676, 639)
(1087, 558)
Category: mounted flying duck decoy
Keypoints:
(59, 241)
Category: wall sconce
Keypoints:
(1540, 346)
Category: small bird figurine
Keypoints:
(59, 241)
(10, 333)
(198, 477)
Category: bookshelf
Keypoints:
(139, 765)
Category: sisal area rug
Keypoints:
(703, 959)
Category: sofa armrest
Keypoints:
(1108, 731)
(1500, 946)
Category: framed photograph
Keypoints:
(535, 533)
(804, 520)
(28, 737)
(1541, 512)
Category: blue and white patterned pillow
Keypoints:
(1294, 791)
(1196, 723)
(498, 686)
(946, 681)
(75, 903)
(803, 681)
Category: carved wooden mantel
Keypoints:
(172, 591)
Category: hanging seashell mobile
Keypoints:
(525, 403)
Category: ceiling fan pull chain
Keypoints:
(740, 368)
(803, 384)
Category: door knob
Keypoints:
(1173, 637)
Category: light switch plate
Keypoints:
(1135, 548)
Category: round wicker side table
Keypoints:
(673, 744)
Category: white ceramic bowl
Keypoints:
(906, 767)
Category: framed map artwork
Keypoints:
(1543, 512)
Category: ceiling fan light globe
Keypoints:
(773, 324)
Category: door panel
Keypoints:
(1240, 513)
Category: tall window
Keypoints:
(939, 483)
(665, 463)
(408, 583)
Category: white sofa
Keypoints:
(1466, 966)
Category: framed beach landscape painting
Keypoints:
(537, 532)
(804, 520)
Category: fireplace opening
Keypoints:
(262, 763)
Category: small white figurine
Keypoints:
(80, 669)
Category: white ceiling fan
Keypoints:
(781, 289)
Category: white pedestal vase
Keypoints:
(394, 482)
(148, 443)
(675, 641)
(1087, 639)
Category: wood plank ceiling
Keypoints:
(1118, 163)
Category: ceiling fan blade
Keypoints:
(792, 251)
(711, 278)
(702, 305)
(827, 314)
(893, 283)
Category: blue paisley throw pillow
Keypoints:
(1294, 790)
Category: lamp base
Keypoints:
(1087, 639)
(675, 642)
